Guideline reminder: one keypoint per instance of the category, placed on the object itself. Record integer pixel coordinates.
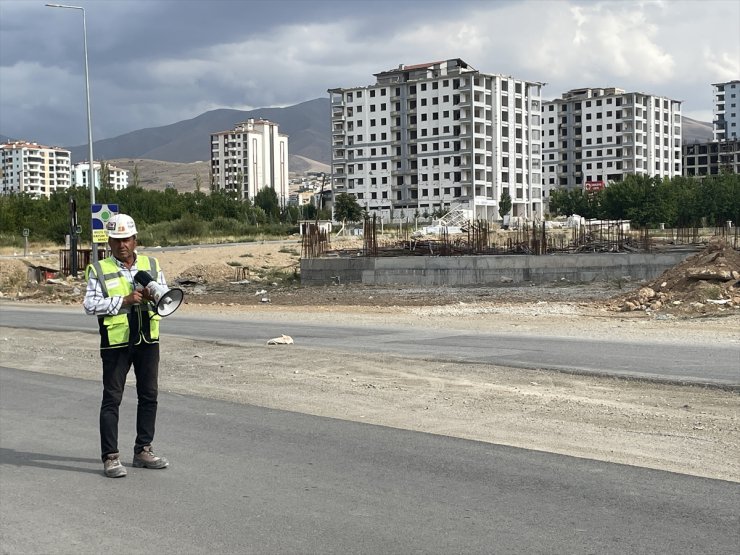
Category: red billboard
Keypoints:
(594, 185)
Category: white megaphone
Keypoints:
(167, 300)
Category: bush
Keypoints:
(188, 227)
(227, 226)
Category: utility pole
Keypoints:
(73, 236)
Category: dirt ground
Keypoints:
(679, 428)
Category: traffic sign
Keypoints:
(26, 233)
(101, 213)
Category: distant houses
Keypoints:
(39, 170)
(35, 169)
(442, 137)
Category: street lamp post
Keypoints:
(90, 170)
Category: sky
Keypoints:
(157, 62)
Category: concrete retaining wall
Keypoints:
(482, 270)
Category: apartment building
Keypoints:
(34, 169)
(429, 138)
(726, 111)
(711, 158)
(117, 178)
(250, 157)
(594, 136)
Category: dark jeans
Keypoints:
(116, 364)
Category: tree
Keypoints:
(240, 184)
(197, 182)
(135, 176)
(504, 204)
(346, 208)
(267, 199)
(104, 175)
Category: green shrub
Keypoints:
(188, 227)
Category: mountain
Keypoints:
(307, 125)
(693, 131)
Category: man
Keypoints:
(129, 334)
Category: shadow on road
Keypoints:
(51, 462)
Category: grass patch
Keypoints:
(289, 250)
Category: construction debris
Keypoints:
(705, 283)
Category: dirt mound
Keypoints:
(705, 283)
(208, 273)
(13, 276)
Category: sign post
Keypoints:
(26, 233)
(72, 236)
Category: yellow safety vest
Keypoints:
(116, 331)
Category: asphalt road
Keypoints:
(716, 365)
(245, 479)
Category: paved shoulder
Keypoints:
(252, 480)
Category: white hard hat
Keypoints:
(121, 226)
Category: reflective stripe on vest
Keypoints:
(115, 330)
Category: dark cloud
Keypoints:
(155, 62)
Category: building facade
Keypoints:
(726, 111)
(33, 169)
(250, 157)
(117, 178)
(711, 158)
(594, 136)
(430, 138)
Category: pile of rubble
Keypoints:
(705, 283)
(207, 273)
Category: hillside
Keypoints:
(155, 174)
(693, 131)
(307, 125)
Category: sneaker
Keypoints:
(147, 459)
(112, 466)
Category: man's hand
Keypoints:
(147, 295)
(133, 298)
